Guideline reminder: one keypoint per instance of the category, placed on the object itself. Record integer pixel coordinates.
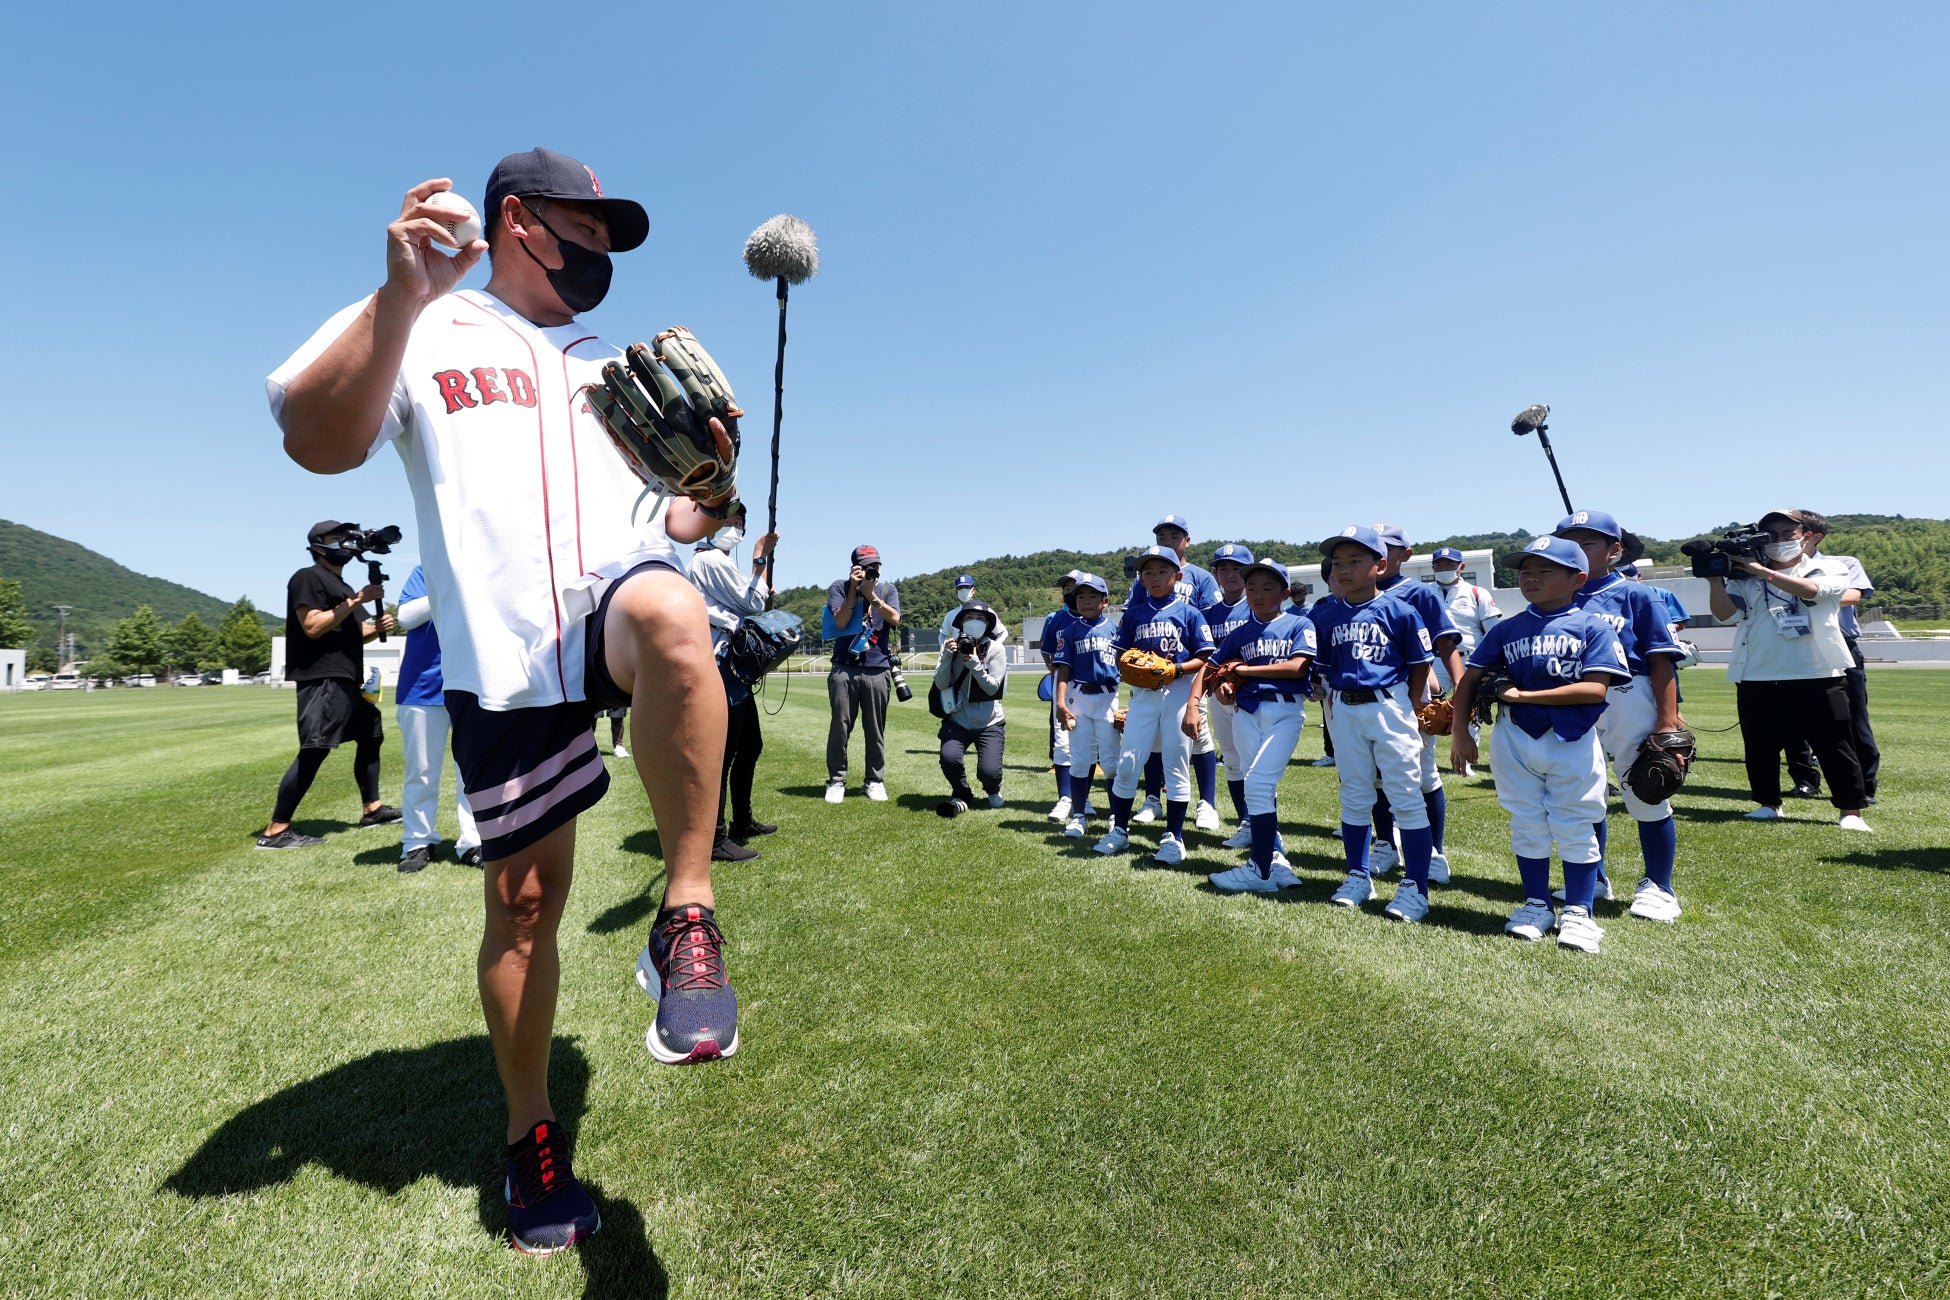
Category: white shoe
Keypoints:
(1283, 874)
(1061, 813)
(1171, 851)
(1410, 903)
(1576, 929)
(1354, 891)
(1280, 863)
(1383, 858)
(1530, 922)
(1651, 903)
(1239, 839)
(1438, 869)
(1853, 822)
(1602, 893)
(1244, 879)
(1325, 760)
(1115, 840)
(620, 751)
(1464, 771)
(1149, 812)
(1088, 810)
(1074, 828)
(835, 791)
(995, 800)
(1764, 814)
(876, 792)
(1207, 817)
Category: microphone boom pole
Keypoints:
(781, 250)
(1532, 420)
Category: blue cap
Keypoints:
(1447, 553)
(1074, 575)
(1359, 536)
(1391, 535)
(1161, 553)
(1273, 567)
(1558, 550)
(1233, 551)
(1090, 582)
(1172, 521)
(1629, 570)
(1596, 520)
(966, 580)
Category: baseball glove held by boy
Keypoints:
(1146, 670)
(1436, 717)
(1663, 760)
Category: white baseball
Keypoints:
(466, 223)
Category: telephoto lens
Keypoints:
(901, 690)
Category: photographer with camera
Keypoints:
(865, 610)
(1789, 656)
(325, 634)
(969, 682)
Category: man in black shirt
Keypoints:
(324, 638)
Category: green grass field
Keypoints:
(977, 1059)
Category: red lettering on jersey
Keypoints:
(520, 387)
(453, 387)
(484, 385)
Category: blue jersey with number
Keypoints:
(1089, 651)
(1370, 646)
(1636, 617)
(1170, 627)
(1540, 649)
(1222, 618)
(1272, 641)
(1429, 604)
(1194, 584)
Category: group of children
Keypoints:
(1583, 674)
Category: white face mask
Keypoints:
(965, 594)
(1448, 577)
(1781, 552)
(727, 539)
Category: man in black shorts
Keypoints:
(325, 634)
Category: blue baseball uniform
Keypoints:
(1432, 606)
(1175, 629)
(1365, 653)
(1059, 745)
(1088, 654)
(1222, 619)
(1194, 584)
(421, 708)
(1639, 619)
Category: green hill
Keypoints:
(1909, 560)
(52, 570)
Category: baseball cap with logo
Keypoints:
(1447, 553)
(966, 580)
(1273, 567)
(1090, 582)
(1391, 535)
(1560, 551)
(1172, 521)
(1159, 553)
(1363, 537)
(1596, 520)
(865, 555)
(1073, 577)
(1234, 552)
(546, 174)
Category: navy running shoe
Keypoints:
(548, 1210)
(682, 970)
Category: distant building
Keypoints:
(13, 669)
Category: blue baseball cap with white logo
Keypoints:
(1558, 550)
(1172, 521)
(1273, 567)
(1447, 553)
(966, 580)
(1234, 552)
(1090, 582)
(1160, 553)
(1364, 537)
(1629, 570)
(1596, 520)
(1391, 535)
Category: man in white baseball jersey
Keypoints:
(556, 591)
(1473, 610)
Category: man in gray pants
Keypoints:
(859, 684)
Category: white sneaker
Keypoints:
(1149, 812)
(1325, 760)
(1438, 869)
(620, 751)
(1239, 839)
(1061, 813)
(1602, 893)
(876, 792)
(1576, 929)
(1383, 858)
(1765, 814)
(1244, 879)
(1283, 874)
(1354, 891)
(1207, 817)
(1853, 822)
(835, 791)
(1115, 840)
(1280, 863)
(995, 800)
(1410, 903)
(1074, 828)
(1530, 922)
(1088, 810)
(1171, 851)
(1651, 903)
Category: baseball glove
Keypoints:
(1436, 717)
(658, 411)
(1146, 670)
(1661, 766)
(1488, 688)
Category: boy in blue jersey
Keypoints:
(1375, 654)
(1159, 721)
(1174, 533)
(1051, 640)
(1229, 565)
(1634, 709)
(1550, 766)
(1086, 694)
(1262, 664)
(421, 706)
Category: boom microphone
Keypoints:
(784, 251)
(1530, 420)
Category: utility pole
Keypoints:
(62, 650)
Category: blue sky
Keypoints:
(1274, 267)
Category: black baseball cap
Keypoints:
(322, 529)
(546, 174)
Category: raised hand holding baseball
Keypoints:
(413, 268)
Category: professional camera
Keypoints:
(355, 542)
(1713, 557)
(902, 691)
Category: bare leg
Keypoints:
(520, 969)
(658, 643)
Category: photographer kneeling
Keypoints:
(1789, 657)
(969, 682)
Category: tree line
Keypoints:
(143, 643)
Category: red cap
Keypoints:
(861, 554)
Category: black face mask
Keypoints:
(583, 281)
(331, 555)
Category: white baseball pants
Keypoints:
(1379, 744)
(1219, 725)
(1152, 727)
(1060, 747)
(423, 737)
(1266, 740)
(1553, 790)
(1095, 742)
(1627, 720)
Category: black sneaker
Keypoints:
(472, 858)
(415, 861)
(950, 808)
(723, 849)
(748, 828)
(682, 970)
(382, 815)
(548, 1210)
(1805, 791)
(287, 839)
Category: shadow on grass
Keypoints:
(388, 1120)
(323, 828)
(632, 911)
(1937, 860)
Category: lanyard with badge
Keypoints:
(1788, 616)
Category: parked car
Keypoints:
(213, 678)
(35, 682)
(262, 679)
(140, 679)
(65, 682)
(187, 679)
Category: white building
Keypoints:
(13, 669)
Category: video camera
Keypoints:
(1713, 557)
(356, 543)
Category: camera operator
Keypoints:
(859, 684)
(971, 676)
(1789, 657)
(324, 638)
(730, 597)
(1801, 760)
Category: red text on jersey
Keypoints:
(486, 389)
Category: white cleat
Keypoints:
(1171, 851)
(1354, 891)
(1074, 828)
(620, 751)
(1115, 840)
(1240, 839)
(1325, 760)
(876, 792)
(1530, 922)
(1283, 874)
(1576, 929)
(1766, 814)
(1244, 879)
(1438, 869)
(1854, 822)
(1465, 771)
(1410, 903)
(1150, 812)
(835, 791)
(1207, 817)
(1383, 858)
(1061, 813)
(1651, 903)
